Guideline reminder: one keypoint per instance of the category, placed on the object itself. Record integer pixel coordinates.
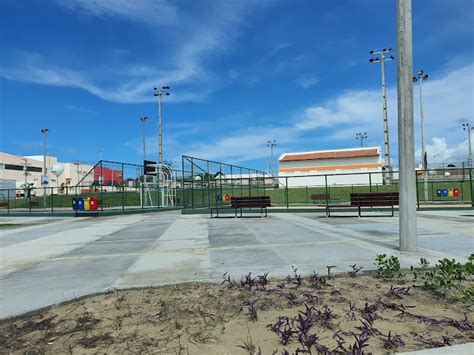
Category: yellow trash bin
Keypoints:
(451, 192)
(87, 203)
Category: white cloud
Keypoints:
(440, 152)
(447, 102)
(150, 11)
(306, 80)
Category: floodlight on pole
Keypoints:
(467, 127)
(381, 57)
(271, 144)
(159, 93)
(420, 77)
(361, 136)
(44, 180)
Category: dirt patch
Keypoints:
(340, 314)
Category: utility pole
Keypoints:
(467, 127)
(382, 59)
(406, 142)
(44, 180)
(361, 136)
(143, 121)
(25, 171)
(159, 94)
(271, 144)
(424, 157)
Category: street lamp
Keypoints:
(382, 59)
(361, 136)
(143, 121)
(420, 77)
(159, 94)
(271, 144)
(467, 127)
(44, 180)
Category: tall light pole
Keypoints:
(44, 180)
(406, 141)
(143, 121)
(467, 127)
(382, 59)
(420, 77)
(271, 144)
(361, 136)
(159, 93)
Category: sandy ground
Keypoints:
(198, 318)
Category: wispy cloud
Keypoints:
(195, 38)
(154, 12)
(306, 80)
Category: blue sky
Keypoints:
(241, 72)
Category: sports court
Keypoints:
(49, 260)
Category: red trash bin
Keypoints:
(93, 203)
(456, 192)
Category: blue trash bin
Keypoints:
(445, 192)
(80, 204)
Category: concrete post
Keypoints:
(406, 146)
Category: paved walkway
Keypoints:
(45, 261)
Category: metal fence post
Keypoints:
(52, 199)
(307, 200)
(327, 192)
(417, 196)
(8, 201)
(192, 184)
(101, 188)
(470, 185)
(370, 182)
(286, 193)
(208, 185)
(123, 191)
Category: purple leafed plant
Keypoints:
(231, 284)
(248, 282)
(283, 328)
(351, 312)
(340, 343)
(329, 267)
(262, 281)
(398, 292)
(354, 271)
(393, 342)
(367, 324)
(361, 342)
(310, 298)
(291, 297)
(317, 281)
(251, 309)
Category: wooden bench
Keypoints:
(239, 203)
(368, 199)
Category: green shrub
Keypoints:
(388, 267)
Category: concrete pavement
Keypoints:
(47, 261)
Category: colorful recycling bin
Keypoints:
(439, 193)
(93, 203)
(456, 192)
(450, 192)
(74, 204)
(80, 204)
(87, 203)
(445, 192)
